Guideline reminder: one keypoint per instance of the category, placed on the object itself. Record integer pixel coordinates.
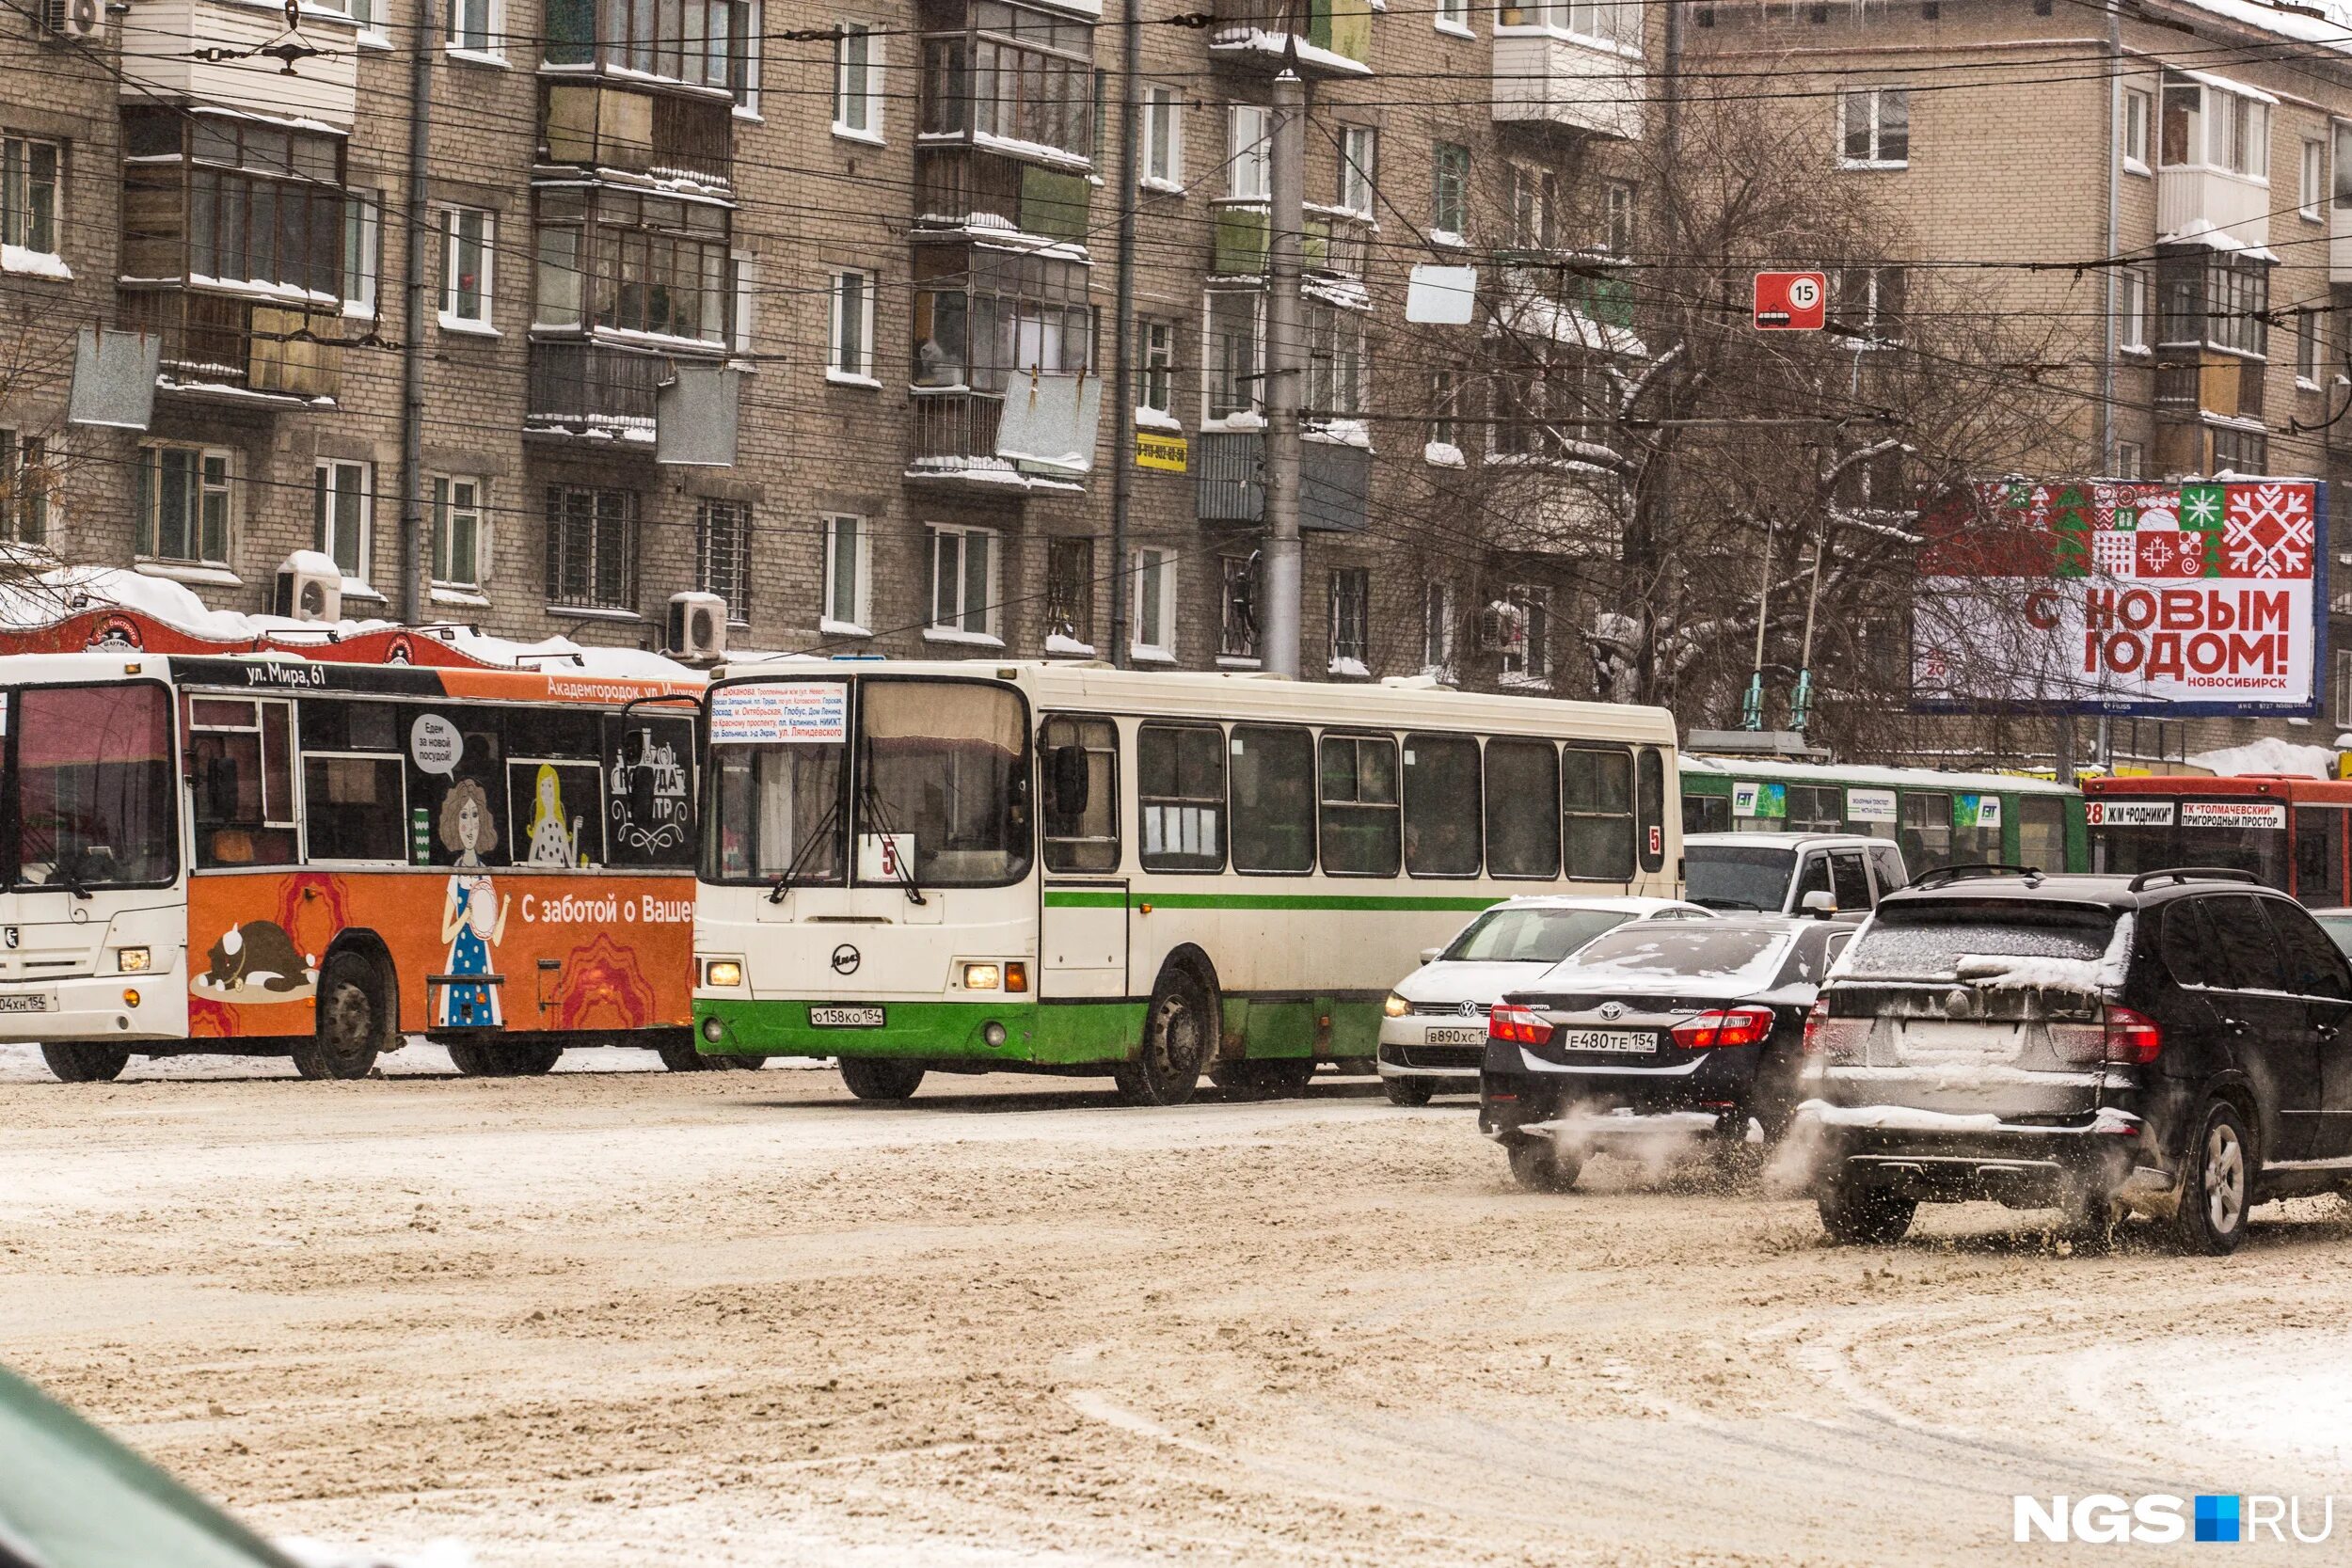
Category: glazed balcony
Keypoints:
(232, 348)
(963, 187)
(1332, 38)
(669, 139)
(583, 389)
(1229, 481)
(1333, 245)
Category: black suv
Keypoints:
(2173, 1043)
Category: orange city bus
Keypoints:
(2289, 831)
(266, 853)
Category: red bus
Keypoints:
(2287, 831)
(269, 854)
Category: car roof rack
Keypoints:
(2192, 874)
(1944, 874)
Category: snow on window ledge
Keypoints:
(1142, 654)
(844, 133)
(1239, 661)
(1349, 668)
(829, 628)
(189, 571)
(464, 594)
(1157, 418)
(1164, 187)
(591, 613)
(1059, 646)
(479, 56)
(848, 378)
(35, 264)
(1448, 238)
(355, 589)
(967, 638)
(466, 327)
(1443, 454)
(1457, 29)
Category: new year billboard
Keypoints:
(2123, 596)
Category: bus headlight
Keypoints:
(723, 971)
(1396, 1007)
(982, 976)
(131, 961)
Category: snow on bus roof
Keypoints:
(1909, 778)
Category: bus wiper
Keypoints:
(791, 874)
(870, 800)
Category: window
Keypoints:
(1070, 596)
(353, 788)
(963, 581)
(1876, 128)
(1596, 810)
(240, 774)
(1237, 608)
(1870, 305)
(1449, 200)
(1650, 791)
(233, 200)
(458, 531)
(746, 303)
(1616, 236)
(1358, 163)
(944, 768)
(2206, 127)
(705, 43)
(184, 504)
(636, 263)
(1248, 153)
(2207, 296)
(1437, 630)
(467, 250)
(26, 487)
(1527, 641)
(341, 496)
(1351, 614)
(1157, 393)
(1534, 200)
(1453, 17)
(2132, 310)
(844, 610)
(1336, 386)
(2240, 452)
(857, 87)
(1154, 603)
(2136, 130)
(2307, 347)
(1440, 790)
(2340, 182)
(1180, 793)
(849, 343)
(28, 193)
(363, 251)
(2314, 183)
(370, 25)
(1925, 832)
(2131, 461)
(985, 318)
(2342, 695)
(742, 61)
(472, 27)
(1274, 799)
(1445, 431)
(1163, 138)
(1079, 794)
(1523, 808)
(723, 555)
(1363, 835)
(592, 547)
(1012, 73)
(2041, 831)
(1235, 346)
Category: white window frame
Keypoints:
(368, 17)
(2133, 297)
(746, 308)
(848, 107)
(1155, 338)
(1349, 577)
(976, 625)
(755, 42)
(1453, 16)
(213, 568)
(1359, 167)
(839, 366)
(2306, 346)
(1438, 631)
(1616, 232)
(2341, 690)
(28, 491)
(446, 506)
(17, 213)
(1154, 625)
(363, 251)
(2314, 180)
(1524, 672)
(492, 50)
(1249, 146)
(331, 479)
(2131, 460)
(743, 520)
(2139, 123)
(1876, 99)
(1162, 138)
(453, 319)
(834, 618)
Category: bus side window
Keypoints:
(1523, 808)
(1079, 759)
(1597, 805)
(1180, 793)
(459, 813)
(557, 811)
(1363, 834)
(1926, 838)
(1440, 815)
(2319, 856)
(1706, 813)
(2042, 831)
(1649, 790)
(650, 788)
(353, 797)
(1273, 797)
(241, 773)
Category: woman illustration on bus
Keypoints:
(550, 845)
(474, 917)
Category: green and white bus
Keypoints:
(963, 867)
(1939, 818)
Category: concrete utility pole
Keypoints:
(1122, 332)
(1286, 222)
(413, 486)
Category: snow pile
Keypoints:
(2270, 754)
(320, 1554)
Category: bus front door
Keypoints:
(1082, 944)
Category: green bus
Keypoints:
(1938, 818)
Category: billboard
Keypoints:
(2123, 596)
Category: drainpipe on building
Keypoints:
(412, 487)
(1122, 331)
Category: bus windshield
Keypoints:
(93, 786)
(943, 793)
(1729, 876)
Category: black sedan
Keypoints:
(1654, 1031)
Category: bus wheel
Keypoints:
(531, 1061)
(350, 1022)
(85, 1064)
(1177, 1040)
(878, 1078)
(473, 1060)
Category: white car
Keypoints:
(1433, 1031)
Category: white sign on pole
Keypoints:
(1441, 296)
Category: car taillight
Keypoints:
(1520, 1025)
(1816, 1017)
(1724, 1027)
(2131, 1037)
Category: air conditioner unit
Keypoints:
(698, 628)
(1501, 627)
(77, 19)
(309, 588)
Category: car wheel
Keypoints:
(1541, 1166)
(1178, 1038)
(878, 1078)
(1855, 1215)
(1737, 1162)
(2089, 1218)
(2219, 1187)
(350, 1022)
(75, 1063)
(1409, 1091)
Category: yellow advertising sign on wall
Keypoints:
(1160, 452)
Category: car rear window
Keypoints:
(1931, 940)
(1728, 876)
(1531, 936)
(1699, 949)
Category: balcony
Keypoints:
(2194, 384)
(955, 432)
(240, 349)
(1334, 244)
(1546, 76)
(2230, 210)
(599, 392)
(1229, 481)
(956, 186)
(169, 33)
(666, 137)
(1333, 38)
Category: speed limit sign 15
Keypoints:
(1791, 301)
